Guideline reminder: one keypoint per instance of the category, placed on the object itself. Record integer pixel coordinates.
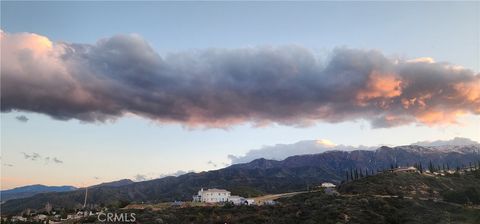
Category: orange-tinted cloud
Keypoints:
(380, 86)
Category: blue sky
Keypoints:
(133, 145)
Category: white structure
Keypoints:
(40, 217)
(212, 195)
(328, 185)
(18, 218)
(236, 200)
(405, 170)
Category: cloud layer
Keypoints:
(221, 87)
(282, 151)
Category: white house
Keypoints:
(212, 195)
(328, 185)
(405, 170)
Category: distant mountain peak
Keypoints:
(457, 141)
(116, 183)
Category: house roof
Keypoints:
(216, 190)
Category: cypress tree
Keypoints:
(430, 167)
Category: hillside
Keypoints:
(255, 178)
(117, 183)
(464, 188)
(361, 201)
(28, 191)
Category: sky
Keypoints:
(100, 91)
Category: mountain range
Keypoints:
(30, 190)
(260, 176)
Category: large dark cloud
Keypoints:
(221, 87)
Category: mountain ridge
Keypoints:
(30, 190)
(260, 176)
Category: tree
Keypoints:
(431, 168)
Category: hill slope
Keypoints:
(28, 191)
(362, 201)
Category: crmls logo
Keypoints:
(116, 217)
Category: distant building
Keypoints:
(41, 217)
(177, 204)
(404, 170)
(328, 185)
(269, 202)
(212, 195)
(220, 196)
(237, 200)
(18, 218)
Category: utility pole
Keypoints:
(86, 194)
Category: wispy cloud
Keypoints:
(34, 156)
(22, 118)
(210, 162)
(151, 176)
(56, 160)
(140, 177)
(37, 157)
(288, 85)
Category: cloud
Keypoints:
(457, 141)
(210, 162)
(282, 151)
(22, 118)
(286, 85)
(175, 174)
(140, 177)
(8, 164)
(151, 176)
(55, 160)
(36, 157)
